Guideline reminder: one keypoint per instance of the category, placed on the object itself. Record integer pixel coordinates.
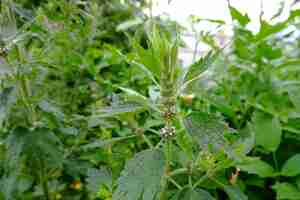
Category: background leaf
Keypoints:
(193, 194)
(267, 130)
(96, 178)
(291, 166)
(256, 166)
(235, 193)
(286, 191)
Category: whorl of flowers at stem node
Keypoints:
(168, 131)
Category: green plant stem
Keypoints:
(217, 182)
(275, 161)
(203, 178)
(148, 142)
(44, 180)
(179, 171)
(25, 90)
(175, 183)
(190, 180)
(169, 152)
(167, 169)
(291, 130)
(164, 185)
(195, 50)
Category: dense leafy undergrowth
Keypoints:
(95, 105)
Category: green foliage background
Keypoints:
(89, 90)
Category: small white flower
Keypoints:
(168, 131)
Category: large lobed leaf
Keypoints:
(141, 177)
(207, 129)
(39, 143)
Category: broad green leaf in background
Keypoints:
(286, 191)
(235, 193)
(267, 129)
(257, 166)
(207, 129)
(294, 95)
(292, 166)
(9, 187)
(246, 142)
(194, 194)
(141, 177)
(96, 178)
(104, 143)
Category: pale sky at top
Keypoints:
(217, 9)
(180, 10)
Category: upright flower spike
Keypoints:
(167, 50)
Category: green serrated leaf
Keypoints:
(267, 29)
(207, 129)
(236, 15)
(200, 66)
(141, 177)
(119, 109)
(36, 144)
(291, 166)
(134, 96)
(267, 129)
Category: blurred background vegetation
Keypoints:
(61, 61)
